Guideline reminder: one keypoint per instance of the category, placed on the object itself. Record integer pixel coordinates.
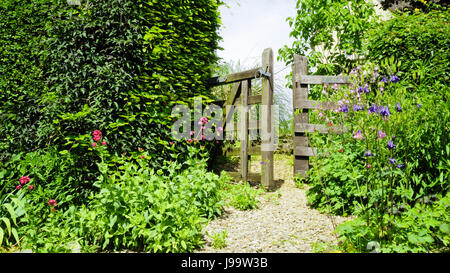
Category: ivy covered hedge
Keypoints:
(115, 65)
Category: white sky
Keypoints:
(250, 26)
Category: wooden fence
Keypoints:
(300, 83)
(241, 96)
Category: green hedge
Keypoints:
(117, 66)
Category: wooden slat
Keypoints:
(316, 79)
(235, 92)
(321, 128)
(312, 104)
(252, 100)
(267, 133)
(235, 77)
(256, 99)
(305, 151)
(250, 177)
(244, 129)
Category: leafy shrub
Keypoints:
(404, 163)
(242, 196)
(115, 65)
(419, 41)
(140, 209)
(422, 228)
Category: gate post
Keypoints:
(300, 92)
(267, 130)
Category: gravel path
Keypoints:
(282, 223)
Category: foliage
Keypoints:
(422, 228)
(115, 65)
(419, 41)
(242, 196)
(219, 239)
(136, 208)
(336, 27)
(387, 155)
(386, 162)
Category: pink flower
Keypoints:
(51, 202)
(189, 140)
(204, 120)
(381, 134)
(192, 133)
(140, 149)
(94, 144)
(368, 166)
(203, 137)
(340, 150)
(358, 135)
(24, 180)
(171, 143)
(18, 187)
(97, 138)
(97, 133)
(220, 129)
(104, 143)
(142, 156)
(30, 187)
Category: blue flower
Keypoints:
(394, 78)
(384, 79)
(384, 111)
(368, 153)
(392, 160)
(366, 89)
(344, 108)
(358, 107)
(360, 90)
(419, 105)
(373, 108)
(390, 145)
(398, 107)
(400, 166)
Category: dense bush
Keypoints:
(419, 41)
(136, 208)
(115, 65)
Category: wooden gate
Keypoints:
(301, 104)
(241, 96)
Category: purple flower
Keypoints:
(373, 108)
(394, 78)
(381, 134)
(344, 108)
(400, 166)
(360, 90)
(368, 153)
(366, 88)
(384, 79)
(398, 107)
(392, 160)
(390, 145)
(358, 107)
(419, 105)
(384, 111)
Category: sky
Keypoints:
(250, 26)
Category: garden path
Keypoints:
(282, 223)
